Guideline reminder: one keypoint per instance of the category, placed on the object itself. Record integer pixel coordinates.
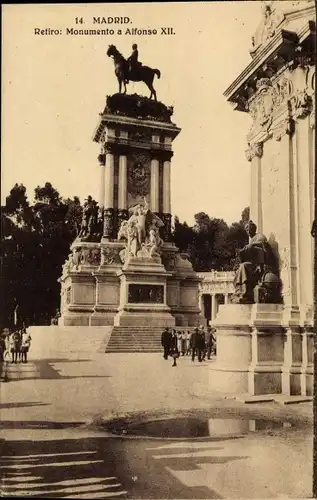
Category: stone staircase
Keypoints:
(137, 339)
(48, 341)
(20, 371)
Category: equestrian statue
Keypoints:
(131, 69)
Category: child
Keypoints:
(26, 344)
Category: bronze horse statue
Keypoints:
(143, 73)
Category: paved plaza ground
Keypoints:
(55, 442)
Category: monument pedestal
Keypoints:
(143, 294)
(262, 349)
(250, 342)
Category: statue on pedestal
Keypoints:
(141, 232)
(257, 278)
(132, 70)
(90, 221)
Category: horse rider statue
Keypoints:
(132, 70)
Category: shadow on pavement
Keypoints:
(43, 369)
(22, 404)
(29, 424)
(98, 465)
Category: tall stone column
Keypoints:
(122, 197)
(167, 187)
(122, 191)
(254, 155)
(109, 188)
(302, 186)
(154, 185)
(213, 307)
(102, 161)
(289, 270)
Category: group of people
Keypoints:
(17, 343)
(200, 342)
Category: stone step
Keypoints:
(132, 350)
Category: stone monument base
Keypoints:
(97, 289)
(143, 294)
(261, 349)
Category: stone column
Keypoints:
(254, 155)
(289, 270)
(227, 301)
(122, 198)
(154, 185)
(109, 188)
(167, 187)
(102, 161)
(202, 306)
(213, 306)
(302, 188)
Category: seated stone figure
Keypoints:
(257, 263)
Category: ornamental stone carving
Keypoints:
(255, 150)
(287, 126)
(108, 225)
(139, 175)
(301, 103)
(271, 19)
(169, 260)
(94, 257)
(110, 256)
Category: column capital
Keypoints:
(161, 154)
(116, 148)
(102, 159)
(255, 150)
(286, 127)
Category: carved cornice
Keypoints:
(285, 48)
(255, 150)
(118, 149)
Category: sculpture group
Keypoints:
(257, 278)
(91, 224)
(142, 234)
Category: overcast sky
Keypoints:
(54, 87)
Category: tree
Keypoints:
(35, 243)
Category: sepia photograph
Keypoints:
(158, 212)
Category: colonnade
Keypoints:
(216, 299)
(107, 176)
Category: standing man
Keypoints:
(203, 342)
(211, 341)
(166, 339)
(195, 344)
